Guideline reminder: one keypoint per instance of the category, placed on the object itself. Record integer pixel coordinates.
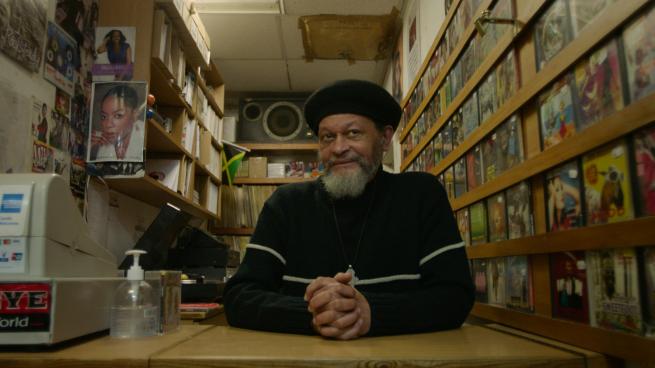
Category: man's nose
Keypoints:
(341, 144)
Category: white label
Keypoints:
(12, 255)
(14, 209)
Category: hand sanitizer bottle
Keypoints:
(135, 310)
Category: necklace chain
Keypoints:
(351, 270)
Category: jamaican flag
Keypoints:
(232, 155)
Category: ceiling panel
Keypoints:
(292, 37)
(243, 36)
(309, 76)
(347, 7)
(254, 75)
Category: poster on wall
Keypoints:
(40, 120)
(397, 76)
(60, 54)
(78, 19)
(414, 57)
(115, 53)
(118, 122)
(22, 26)
(15, 129)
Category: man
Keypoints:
(358, 251)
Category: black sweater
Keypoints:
(411, 264)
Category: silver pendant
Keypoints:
(354, 279)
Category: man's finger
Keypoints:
(316, 285)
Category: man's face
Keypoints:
(351, 148)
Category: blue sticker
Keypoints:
(11, 203)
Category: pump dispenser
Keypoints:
(135, 311)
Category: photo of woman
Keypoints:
(115, 50)
(118, 126)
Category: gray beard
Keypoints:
(352, 184)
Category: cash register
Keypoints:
(56, 282)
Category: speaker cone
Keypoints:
(252, 111)
(282, 121)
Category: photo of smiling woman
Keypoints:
(118, 125)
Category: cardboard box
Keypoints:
(275, 170)
(257, 167)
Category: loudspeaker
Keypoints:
(273, 120)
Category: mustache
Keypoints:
(350, 157)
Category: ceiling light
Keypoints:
(237, 6)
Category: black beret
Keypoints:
(351, 96)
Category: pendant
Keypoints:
(351, 271)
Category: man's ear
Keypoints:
(387, 134)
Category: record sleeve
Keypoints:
(584, 12)
(478, 218)
(556, 112)
(487, 96)
(563, 200)
(519, 283)
(598, 85)
(639, 48)
(470, 114)
(460, 176)
(568, 285)
(552, 32)
(510, 142)
(648, 277)
(614, 301)
(496, 281)
(608, 191)
(519, 211)
(463, 225)
(497, 217)
(474, 168)
(479, 269)
(644, 150)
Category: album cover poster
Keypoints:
(568, 285)
(556, 115)
(41, 158)
(479, 269)
(598, 85)
(648, 275)
(519, 283)
(58, 131)
(40, 115)
(22, 26)
(457, 128)
(497, 217)
(507, 79)
(474, 175)
(614, 301)
(447, 134)
(470, 115)
(584, 12)
(519, 211)
(437, 146)
(60, 58)
(639, 49)
(460, 176)
(78, 178)
(563, 199)
(449, 179)
(463, 225)
(496, 281)
(478, 218)
(644, 150)
(115, 49)
(490, 154)
(552, 32)
(608, 190)
(487, 96)
(510, 141)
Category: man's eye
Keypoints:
(354, 133)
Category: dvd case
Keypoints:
(584, 12)
(510, 143)
(519, 211)
(608, 190)
(470, 114)
(552, 32)
(563, 200)
(474, 175)
(556, 112)
(507, 78)
(568, 280)
(460, 176)
(463, 225)
(479, 270)
(496, 281)
(639, 49)
(644, 151)
(647, 266)
(478, 218)
(487, 96)
(519, 283)
(497, 217)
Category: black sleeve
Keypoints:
(445, 294)
(251, 297)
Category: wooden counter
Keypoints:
(470, 346)
(100, 352)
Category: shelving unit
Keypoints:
(187, 41)
(638, 232)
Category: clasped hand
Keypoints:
(339, 310)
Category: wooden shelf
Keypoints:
(280, 146)
(263, 181)
(164, 89)
(210, 98)
(632, 233)
(632, 117)
(160, 141)
(234, 230)
(213, 76)
(191, 51)
(204, 171)
(617, 344)
(149, 190)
